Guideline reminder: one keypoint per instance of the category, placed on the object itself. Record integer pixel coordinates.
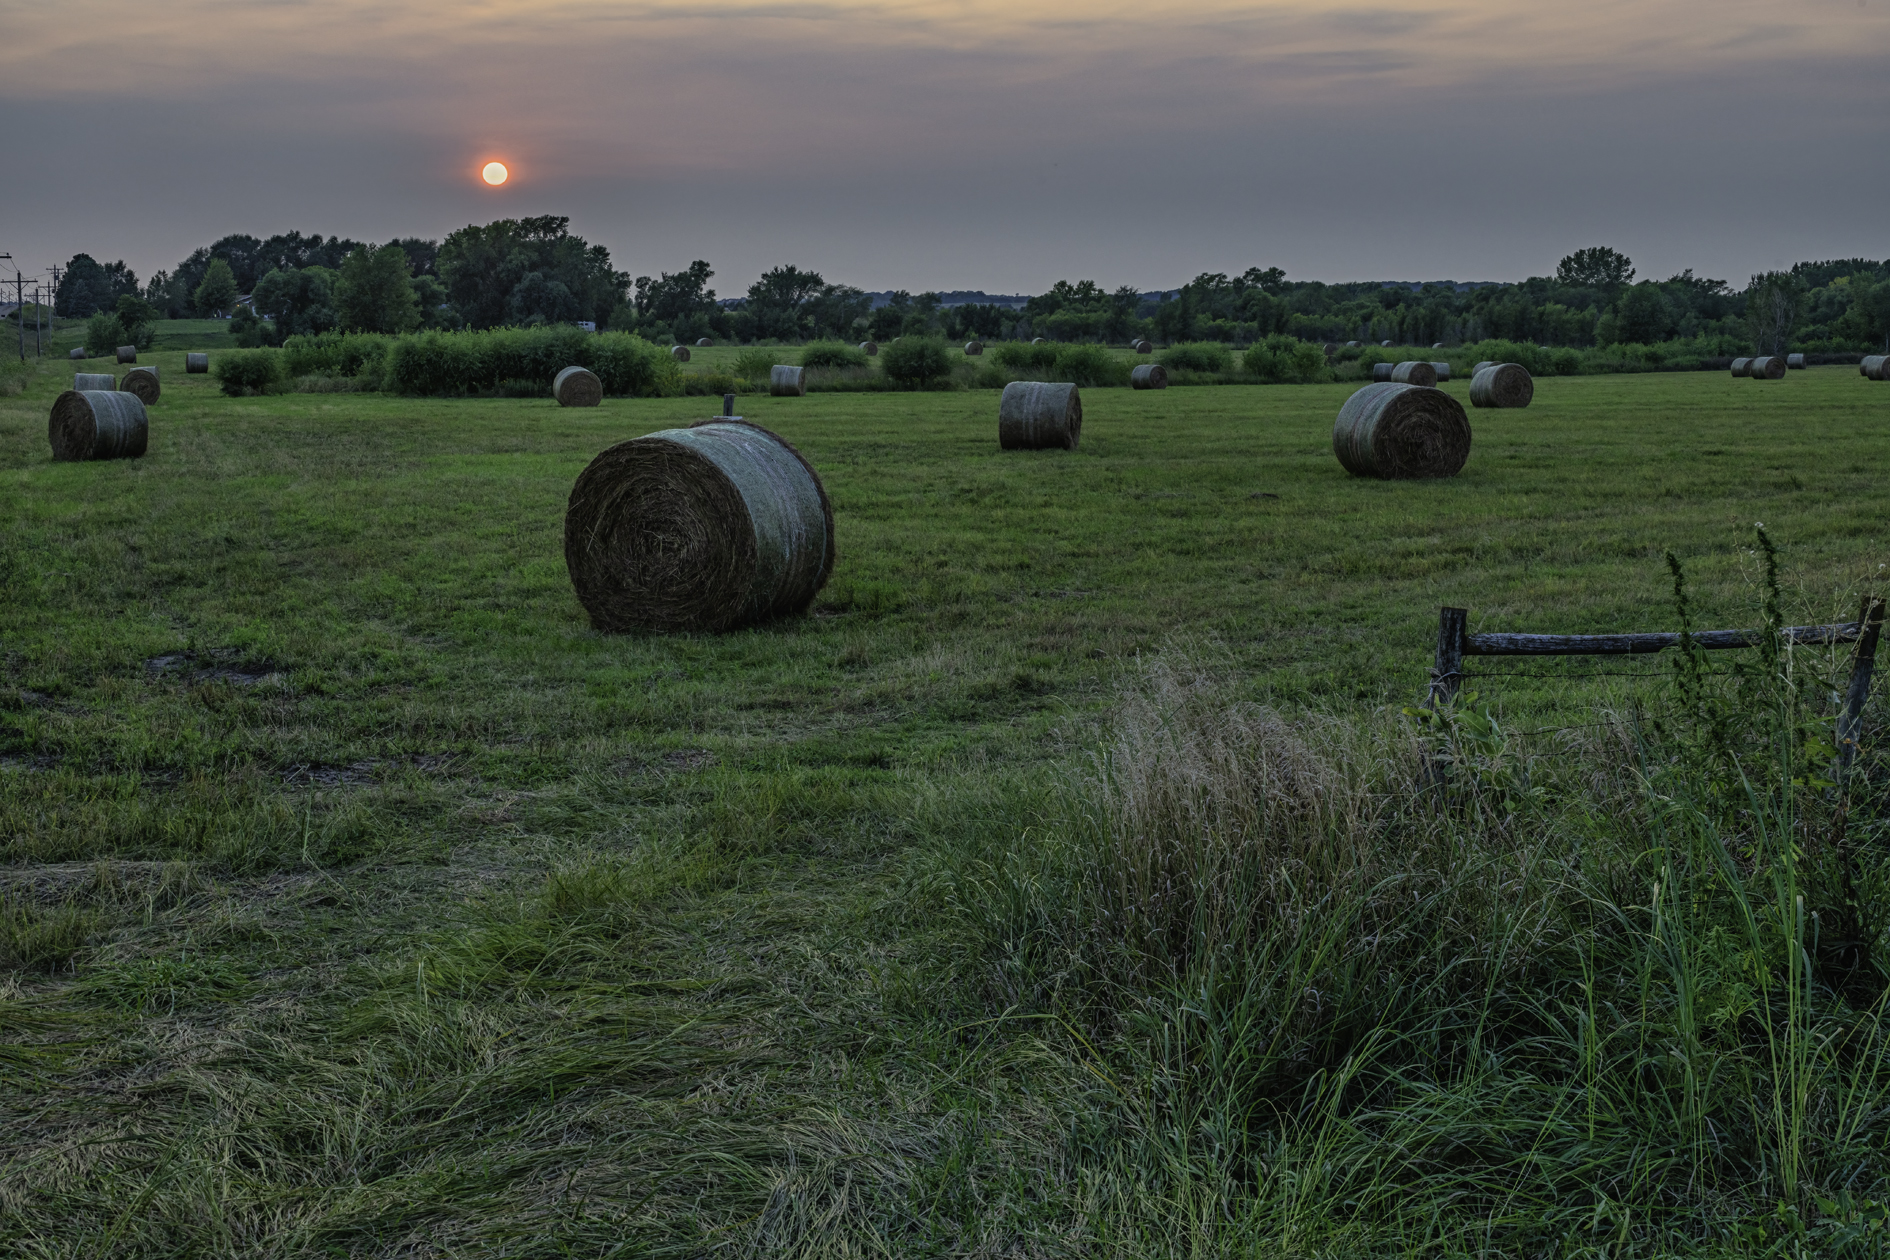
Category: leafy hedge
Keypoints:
(337, 354)
(455, 363)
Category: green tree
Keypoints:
(484, 268)
(139, 318)
(216, 293)
(1598, 267)
(299, 302)
(1642, 315)
(776, 301)
(374, 293)
(1869, 313)
(1773, 301)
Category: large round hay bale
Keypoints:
(577, 387)
(787, 382)
(1381, 372)
(142, 381)
(77, 352)
(1871, 365)
(1402, 431)
(1148, 376)
(1443, 371)
(974, 347)
(1035, 416)
(196, 364)
(710, 528)
(869, 348)
(1742, 367)
(705, 341)
(1414, 372)
(679, 353)
(1502, 385)
(1795, 361)
(97, 424)
(1767, 367)
(1145, 347)
(83, 381)
(127, 354)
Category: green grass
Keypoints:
(360, 899)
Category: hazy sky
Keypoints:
(980, 144)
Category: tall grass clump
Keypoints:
(1196, 356)
(456, 363)
(832, 354)
(1405, 986)
(241, 373)
(917, 362)
(1023, 356)
(358, 356)
(1281, 360)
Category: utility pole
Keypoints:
(19, 299)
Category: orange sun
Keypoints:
(495, 173)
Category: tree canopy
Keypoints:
(518, 271)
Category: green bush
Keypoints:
(1088, 366)
(456, 363)
(1281, 360)
(1022, 356)
(1196, 356)
(915, 362)
(754, 363)
(104, 333)
(241, 373)
(832, 354)
(359, 355)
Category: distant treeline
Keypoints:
(530, 272)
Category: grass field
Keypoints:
(361, 900)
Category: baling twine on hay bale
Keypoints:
(127, 354)
(1796, 361)
(196, 364)
(577, 387)
(1767, 367)
(1502, 385)
(83, 381)
(787, 381)
(1036, 416)
(1414, 372)
(1148, 376)
(1742, 367)
(974, 347)
(1402, 431)
(97, 424)
(709, 528)
(679, 353)
(869, 348)
(142, 381)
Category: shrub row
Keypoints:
(450, 363)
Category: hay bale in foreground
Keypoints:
(196, 364)
(974, 348)
(1414, 372)
(869, 348)
(679, 353)
(97, 424)
(127, 354)
(1795, 361)
(1873, 366)
(1443, 371)
(77, 352)
(83, 381)
(787, 382)
(1035, 416)
(1502, 385)
(1402, 431)
(705, 341)
(710, 528)
(577, 387)
(1767, 367)
(142, 381)
(1742, 367)
(1148, 376)
(1381, 372)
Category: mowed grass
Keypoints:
(360, 899)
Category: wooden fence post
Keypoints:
(1863, 661)
(1447, 673)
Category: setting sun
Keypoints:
(494, 173)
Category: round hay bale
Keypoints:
(1145, 347)
(97, 424)
(787, 382)
(142, 381)
(710, 528)
(1437, 345)
(1443, 371)
(577, 387)
(77, 352)
(1796, 362)
(1148, 376)
(869, 348)
(1875, 367)
(1402, 431)
(1742, 367)
(1352, 344)
(1036, 341)
(705, 341)
(196, 364)
(974, 347)
(1481, 364)
(83, 381)
(1768, 367)
(1383, 344)
(1331, 348)
(127, 354)
(1035, 416)
(1502, 385)
(679, 353)
(1414, 372)
(1381, 372)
